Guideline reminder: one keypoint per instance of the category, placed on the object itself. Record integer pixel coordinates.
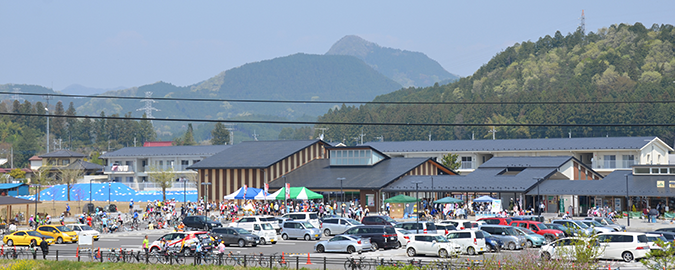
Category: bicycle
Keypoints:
(280, 260)
(258, 260)
(233, 260)
(353, 263)
(204, 257)
(415, 263)
(113, 256)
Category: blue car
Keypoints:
(493, 243)
(533, 239)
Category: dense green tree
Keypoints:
(451, 161)
(57, 125)
(220, 135)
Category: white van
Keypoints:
(266, 232)
(247, 222)
(472, 242)
(311, 217)
(626, 246)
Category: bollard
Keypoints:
(244, 260)
(57, 255)
(271, 262)
(324, 263)
(147, 257)
(297, 262)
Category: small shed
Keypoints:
(13, 189)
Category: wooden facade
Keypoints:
(228, 180)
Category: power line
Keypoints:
(346, 123)
(359, 102)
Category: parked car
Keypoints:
(381, 236)
(418, 227)
(186, 240)
(567, 248)
(597, 226)
(247, 222)
(533, 239)
(60, 233)
(84, 230)
(652, 239)
(445, 228)
(311, 217)
(471, 242)
(300, 229)
(493, 244)
(575, 227)
(608, 222)
(511, 238)
(529, 217)
(540, 229)
(238, 236)
(558, 227)
(403, 237)
(460, 224)
(672, 229)
(343, 243)
(26, 238)
(378, 220)
(496, 220)
(432, 245)
(670, 236)
(333, 226)
(200, 223)
(627, 246)
(266, 233)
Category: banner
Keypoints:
(287, 189)
(266, 187)
(245, 188)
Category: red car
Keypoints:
(540, 229)
(496, 221)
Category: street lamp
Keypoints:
(417, 203)
(184, 180)
(37, 192)
(627, 201)
(109, 191)
(88, 206)
(343, 195)
(47, 112)
(537, 202)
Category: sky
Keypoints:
(109, 44)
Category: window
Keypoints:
(610, 161)
(65, 162)
(627, 161)
(467, 163)
(354, 157)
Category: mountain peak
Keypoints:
(352, 45)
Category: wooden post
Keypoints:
(27, 212)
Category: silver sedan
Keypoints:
(343, 243)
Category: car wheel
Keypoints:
(411, 252)
(375, 246)
(10, 242)
(549, 238)
(241, 243)
(627, 256)
(398, 244)
(322, 249)
(59, 240)
(443, 253)
(471, 251)
(263, 241)
(154, 250)
(512, 246)
(307, 237)
(351, 249)
(529, 244)
(284, 236)
(326, 232)
(545, 256)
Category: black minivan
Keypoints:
(381, 236)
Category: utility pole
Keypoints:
(48, 97)
(493, 131)
(323, 130)
(230, 128)
(362, 135)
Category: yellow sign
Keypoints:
(671, 184)
(660, 184)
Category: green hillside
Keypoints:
(619, 63)
(405, 67)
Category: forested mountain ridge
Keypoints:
(405, 67)
(619, 63)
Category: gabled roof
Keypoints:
(560, 144)
(253, 154)
(194, 150)
(318, 174)
(83, 165)
(34, 158)
(63, 154)
(613, 184)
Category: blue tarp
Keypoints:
(117, 192)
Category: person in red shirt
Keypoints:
(89, 220)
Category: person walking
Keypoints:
(44, 247)
(145, 244)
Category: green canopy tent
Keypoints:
(448, 200)
(401, 199)
(297, 193)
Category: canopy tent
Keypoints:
(244, 194)
(401, 199)
(297, 193)
(448, 200)
(485, 198)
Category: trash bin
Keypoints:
(111, 208)
(88, 208)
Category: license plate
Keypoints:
(481, 249)
(316, 235)
(391, 238)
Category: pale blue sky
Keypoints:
(107, 44)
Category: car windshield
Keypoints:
(313, 216)
(34, 233)
(440, 238)
(267, 226)
(581, 224)
(307, 225)
(268, 219)
(487, 234)
(526, 231)
(609, 221)
(64, 229)
(209, 220)
(388, 219)
(543, 227)
(511, 231)
(354, 222)
(596, 224)
(240, 230)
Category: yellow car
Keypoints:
(26, 238)
(60, 233)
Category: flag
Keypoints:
(288, 191)
(245, 188)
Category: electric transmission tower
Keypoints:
(17, 94)
(148, 106)
(583, 22)
(230, 128)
